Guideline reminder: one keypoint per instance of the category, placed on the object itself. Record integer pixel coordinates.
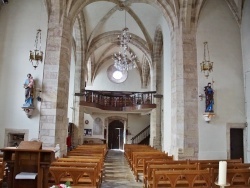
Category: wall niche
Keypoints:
(13, 137)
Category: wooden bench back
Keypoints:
(171, 167)
(237, 178)
(73, 174)
(215, 161)
(182, 178)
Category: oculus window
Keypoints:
(116, 75)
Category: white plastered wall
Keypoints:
(245, 39)
(101, 82)
(71, 101)
(19, 21)
(136, 123)
(218, 27)
(166, 61)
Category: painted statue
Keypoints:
(29, 91)
(209, 92)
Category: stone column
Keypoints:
(185, 140)
(152, 127)
(54, 121)
(155, 125)
(79, 83)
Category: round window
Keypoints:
(116, 75)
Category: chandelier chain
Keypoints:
(121, 60)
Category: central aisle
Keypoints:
(117, 172)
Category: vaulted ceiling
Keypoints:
(103, 20)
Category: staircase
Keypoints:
(142, 137)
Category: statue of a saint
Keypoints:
(209, 98)
(29, 91)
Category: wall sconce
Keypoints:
(28, 111)
(201, 96)
(36, 55)
(206, 65)
(208, 116)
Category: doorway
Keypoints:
(115, 135)
(236, 143)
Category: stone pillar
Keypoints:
(185, 140)
(54, 121)
(156, 124)
(152, 127)
(79, 83)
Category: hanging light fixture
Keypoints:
(36, 56)
(124, 60)
(206, 65)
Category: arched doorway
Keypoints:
(115, 135)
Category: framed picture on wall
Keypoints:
(87, 132)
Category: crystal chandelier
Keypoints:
(36, 55)
(124, 60)
(206, 65)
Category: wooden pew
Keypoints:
(1, 173)
(80, 160)
(100, 147)
(84, 156)
(86, 159)
(129, 154)
(236, 177)
(129, 148)
(146, 170)
(215, 161)
(229, 166)
(136, 154)
(81, 176)
(169, 167)
(81, 164)
(182, 178)
(138, 165)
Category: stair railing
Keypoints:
(141, 135)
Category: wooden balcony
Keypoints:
(117, 100)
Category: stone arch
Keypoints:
(157, 52)
(166, 8)
(111, 37)
(121, 119)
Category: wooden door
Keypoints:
(115, 135)
(236, 143)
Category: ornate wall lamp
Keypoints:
(36, 56)
(206, 65)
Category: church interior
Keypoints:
(118, 93)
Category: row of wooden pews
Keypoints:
(161, 174)
(82, 167)
(138, 155)
(2, 166)
(160, 170)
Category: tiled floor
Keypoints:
(117, 172)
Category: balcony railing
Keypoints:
(117, 100)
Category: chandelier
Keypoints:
(124, 60)
(36, 55)
(206, 65)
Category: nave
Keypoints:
(117, 172)
(94, 166)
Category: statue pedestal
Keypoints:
(28, 110)
(208, 116)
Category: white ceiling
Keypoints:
(97, 24)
